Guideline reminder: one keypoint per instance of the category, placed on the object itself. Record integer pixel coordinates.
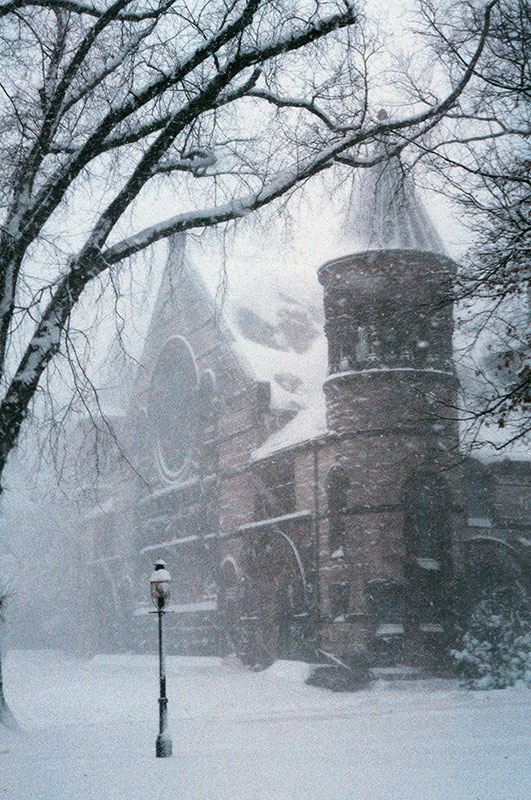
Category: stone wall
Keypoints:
(391, 399)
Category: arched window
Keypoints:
(173, 405)
(229, 583)
(337, 484)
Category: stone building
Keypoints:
(300, 473)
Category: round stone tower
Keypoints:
(391, 398)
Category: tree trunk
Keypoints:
(6, 717)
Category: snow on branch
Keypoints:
(294, 102)
(196, 162)
(91, 104)
(119, 139)
(236, 209)
(84, 9)
(205, 99)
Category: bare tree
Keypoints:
(100, 102)
(481, 158)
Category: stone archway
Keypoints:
(275, 619)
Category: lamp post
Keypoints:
(160, 592)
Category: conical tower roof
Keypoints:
(385, 213)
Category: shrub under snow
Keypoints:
(495, 650)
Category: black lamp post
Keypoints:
(160, 592)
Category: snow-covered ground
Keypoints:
(89, 732)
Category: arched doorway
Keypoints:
(275, 620)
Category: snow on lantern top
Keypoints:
(160, 581)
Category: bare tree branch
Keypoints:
(156, 107)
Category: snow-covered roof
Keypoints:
(308, 424)
(274, 319)
(289, 352)
(385, 212)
